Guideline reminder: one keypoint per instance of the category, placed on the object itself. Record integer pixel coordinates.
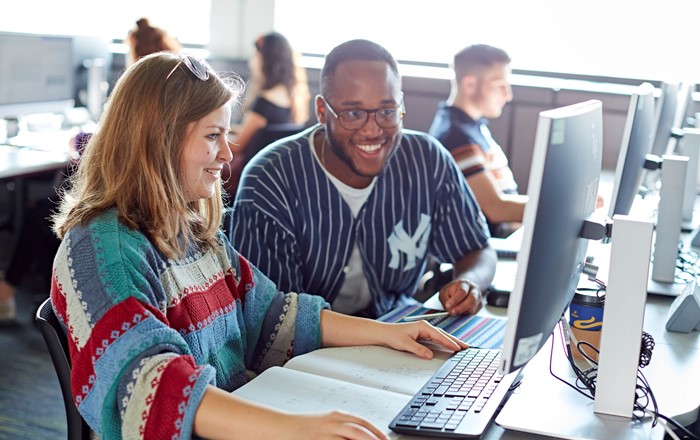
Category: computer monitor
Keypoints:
(36, 74)
(563, 187)
(667, 117)
(636, 144)
(686, 105)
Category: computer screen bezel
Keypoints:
(567, 160)
(30, 62)
(636, 143)
(666, 117)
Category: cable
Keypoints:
(645, 404)
(570, 358)
(646, 350)
(678, 427)
(668, 429)
(567, 328)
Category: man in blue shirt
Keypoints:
(480, 90)
(351, 208)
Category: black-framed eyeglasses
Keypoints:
(197, 67)
(355, 119)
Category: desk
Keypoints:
(18, 163)
(672, 375)
(21, 162)
(674, 366)
(34, 152)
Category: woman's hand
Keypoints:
(221, 415)
(334, 425)
(405, 337)
(338, 330)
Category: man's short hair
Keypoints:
(353, 50)
(477, 57)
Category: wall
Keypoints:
(515, 129)
(236, 23)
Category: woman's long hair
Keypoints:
(280, 66)
(132, 162)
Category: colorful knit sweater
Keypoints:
(147, 334)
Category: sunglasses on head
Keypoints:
(197, 67)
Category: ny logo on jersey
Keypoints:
(413, 246)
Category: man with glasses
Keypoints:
(351, 208)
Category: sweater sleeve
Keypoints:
(278, 325)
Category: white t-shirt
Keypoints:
(354, 296)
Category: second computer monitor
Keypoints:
(563, 188)
(636, 144)
(667, 116)
(36, 74)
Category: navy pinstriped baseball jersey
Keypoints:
(290, 221)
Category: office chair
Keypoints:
(262, 138)
(57, 343)
(270, 133)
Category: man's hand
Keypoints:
(461, 297)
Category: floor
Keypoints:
(31, 405)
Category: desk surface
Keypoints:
(675, 358)
(674, 365)
(35, 152)
(18, 162)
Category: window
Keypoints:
(621, 38)
(185, 20)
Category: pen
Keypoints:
(428, 316)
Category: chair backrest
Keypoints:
(57, 343)
(270, 133)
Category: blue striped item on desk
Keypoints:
(477, 331)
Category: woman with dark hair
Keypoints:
(277, 93)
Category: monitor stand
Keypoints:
(689, 146)
(543, 405)
(668, 227)
(546, 406)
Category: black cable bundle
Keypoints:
(647, 347)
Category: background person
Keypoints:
(480, 90)
(146, 39)
(351, 208)
(277, 93)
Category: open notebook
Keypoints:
(368, 381)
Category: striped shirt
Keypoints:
(292, 223)
(472, 146)
(147, 334)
